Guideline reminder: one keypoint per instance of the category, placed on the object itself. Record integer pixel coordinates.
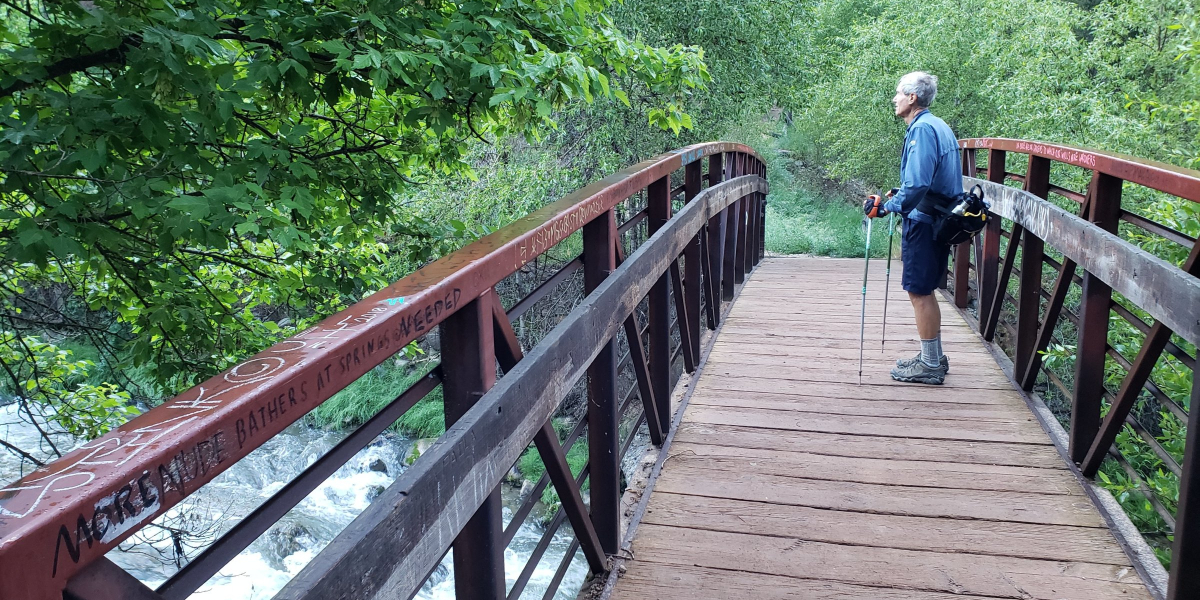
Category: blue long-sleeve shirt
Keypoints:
(929, 163)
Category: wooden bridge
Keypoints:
(788, 479)
(774, 471)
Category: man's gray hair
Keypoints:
(920, 83)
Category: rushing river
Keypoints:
(263, 568)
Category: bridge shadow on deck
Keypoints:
(788, 479)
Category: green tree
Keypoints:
(196, 180)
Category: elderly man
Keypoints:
(930, 174)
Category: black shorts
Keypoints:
(924, 259)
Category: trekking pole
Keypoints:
(862, 327)
(887, 282)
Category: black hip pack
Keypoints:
(956, 219)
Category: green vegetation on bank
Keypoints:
(182, 186)
(532, 468)
(808, 214)
(1118, 75)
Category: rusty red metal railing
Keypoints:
(57, 523)
(1014, 307)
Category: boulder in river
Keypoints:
(419, 447)
(379, 466)
(374, 492)
(286, 540)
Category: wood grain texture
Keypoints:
(958, 573)
(1050, 542)
(872, 446)
(1165, 291)
(789, 479)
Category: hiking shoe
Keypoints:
(919, 372)
(905, 362)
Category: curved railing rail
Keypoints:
(1044, 244)
(57, 523)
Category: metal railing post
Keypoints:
(751, 204)
(1185, 555)
(1029, 294)
(991, 298)
(691, 263)
(599, 260)
(729, 253)
(762, 218)
(962, 274)
(741, 214)
(469, 366)
(1105, 211)
(716, 245)
(658, 211)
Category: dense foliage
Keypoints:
(1122, 75)
(183, 184)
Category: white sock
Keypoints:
(931, 352)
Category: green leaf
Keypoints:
(193, 206)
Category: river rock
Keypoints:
(374, 492)
(526, 488)
(419, 447)
(514, 477)
(286, 540)
(379, 466)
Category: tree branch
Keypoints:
(70, 65)
(23, 454)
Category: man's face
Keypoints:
(903, 102)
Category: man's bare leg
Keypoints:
(929, 315)
(929, 327)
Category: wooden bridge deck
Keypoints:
(786, 479)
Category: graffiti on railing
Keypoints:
(543, 239)
(1067, 155)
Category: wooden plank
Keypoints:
(889, 426)
(908, 409)
(1024, 540)
(981, 370)
(823, 320)
(1020, 507)
(948, 475)
(995, 576)
(837, 335)
(654, 581)
(830, 323)
(889, 389)
(963, 354)
(846, 372)
(988, 453)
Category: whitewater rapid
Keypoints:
(271, 561)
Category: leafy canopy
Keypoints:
(214, 174)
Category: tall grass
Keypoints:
(531, 466)
(806, 215)
(360, 400)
